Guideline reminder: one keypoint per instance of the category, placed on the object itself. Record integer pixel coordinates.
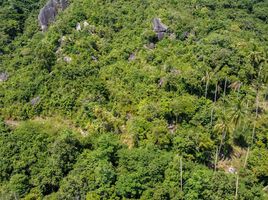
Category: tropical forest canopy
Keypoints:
(100, 104)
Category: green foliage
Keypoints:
(142, 105)
(31, 157)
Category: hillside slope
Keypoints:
(102, 106)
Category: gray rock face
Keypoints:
(132, 57)
(151, 46)
(94, 58)
(63, 4)
(35, 101)
(67, 59)
(3, 76)
(159, 28)
(78, 27)
(49, 12)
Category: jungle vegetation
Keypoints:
(97, 107)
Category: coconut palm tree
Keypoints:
(217, 89)
(254, 126)
(223, 127)
(206, 79)
(235, 85)
(238, 112)
(257, 60)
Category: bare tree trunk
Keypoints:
(265, 98)
(181, 172)
(255, 121)
(15, 196)
(236, 186)
(224, 132)
(206, 91)
(215, 99)
(222, 139)
(225, 85)
(216, 91)
(216, 159)
(238, 90)
(246, 158)
(224, 94)
(244, 125)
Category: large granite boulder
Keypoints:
(63, 4)
(159, 28)
(49, 12)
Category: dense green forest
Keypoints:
(100, 106)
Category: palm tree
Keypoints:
(246, 112)
(206, 79)
(224, 128)
(257, 60)
(254, 126)
(217, 88)
(238, 113)
(235, 85)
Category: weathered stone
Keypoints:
(49, 12)
(161, 82)
(35, 101)
(3, 76)
(85, 24)
(160, 35)
(159, 26)
(46, 16)
(94, 58)
(151, 46)
(63, 4)
(59, 50)
(78, 27)
(132, 57)
(67, 59)
(62, 39)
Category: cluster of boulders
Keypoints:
(79, 25)
(49, 12)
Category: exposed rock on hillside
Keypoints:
(49, 12)
(3, 76)
(78, 27)
(132, 57)
(159, 28)
(67, 59)
(35, 101)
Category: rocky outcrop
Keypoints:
(80, 26)
(67, 59)
(49, 12)
(3, 76)
(35, 101)
(159, 28)
(132, 57)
